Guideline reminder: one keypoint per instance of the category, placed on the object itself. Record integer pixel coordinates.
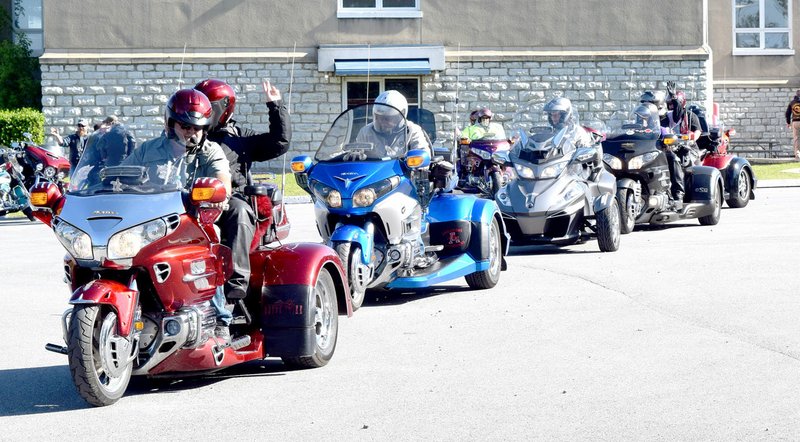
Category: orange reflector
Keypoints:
(39, 199)
(669, 141)
(298, 166)
(202, 193)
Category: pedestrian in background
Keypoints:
(793, 122)
(75, 142)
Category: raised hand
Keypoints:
(273, 94)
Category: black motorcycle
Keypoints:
(635, 152)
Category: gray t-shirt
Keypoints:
(206, 161)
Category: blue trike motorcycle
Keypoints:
(382, 204)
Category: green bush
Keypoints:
(13, 123)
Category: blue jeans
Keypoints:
(218, 302)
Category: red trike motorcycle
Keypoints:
(737, 173)
(144, 260)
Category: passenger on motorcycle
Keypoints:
(188, 117)
(389, 128)
(679, 121)
(242, 146)
(484, 128)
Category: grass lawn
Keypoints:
(776, 171)
(292, 189)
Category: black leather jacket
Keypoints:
(243, 146)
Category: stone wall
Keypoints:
(757, 113)
(137, 93)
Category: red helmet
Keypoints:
(188, 106)
(485, 112)
(222, 97)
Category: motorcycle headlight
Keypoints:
(77, 242)
(638, 161)
(552, 171)
(39, 167)
(126, 244)
(524, 171)
(366, 197)
(612, 161)
(331, 196)
(49, 172)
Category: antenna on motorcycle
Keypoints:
(630, 90)
(455, 107)
(289, 110)
(183, 57)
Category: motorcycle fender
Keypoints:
(626, 183)
(289, 276)
(603, 202)
(732, 175)
(350, 233)
(112, 293)
(483, 212)
(703, 179)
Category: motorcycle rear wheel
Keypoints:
(98, 361)
(486, 279)
(713, 219)
(740, 194)
(326, 324)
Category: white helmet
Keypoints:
(395, 99)
(391, 117)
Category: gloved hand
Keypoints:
(671, 87)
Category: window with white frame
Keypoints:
(357, 91)
(378, 9)
(28, 23)
(762, 27)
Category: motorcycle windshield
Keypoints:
(368, 132)
(537, 138)
(92, 176)
(622, 123)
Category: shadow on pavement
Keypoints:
(38, 390)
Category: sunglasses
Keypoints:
(187, 127)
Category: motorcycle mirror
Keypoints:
(418, 158)
(208, 190)
(586, 155)
(46, 201)
(501, 158)
(301, 164)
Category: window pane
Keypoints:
(747, 14)
(399, 3)
(357, 92)
(776, 14)
(747, 41)
(409, 87)
(31, 17)
(358, 3)
(776, 40)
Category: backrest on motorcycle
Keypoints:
(701, 115)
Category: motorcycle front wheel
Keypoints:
(99, 359)
(357, 274)
(608, 228)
